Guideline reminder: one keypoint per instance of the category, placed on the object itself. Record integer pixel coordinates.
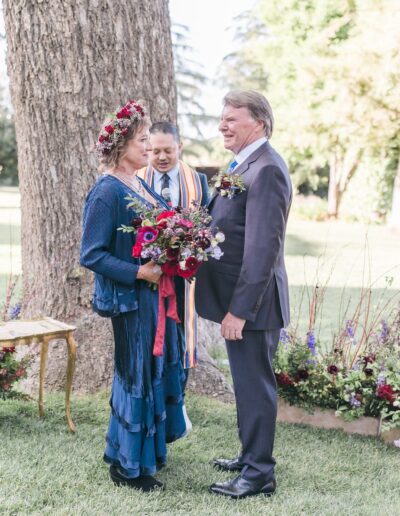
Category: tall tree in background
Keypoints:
(331, 70)
(69, 64)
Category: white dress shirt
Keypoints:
(174, 186)
(245, 153)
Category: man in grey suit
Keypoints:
(247, 289)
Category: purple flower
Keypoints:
(349, 329)
(310, 362)
(14, 311)
(311, 341)
(355, 401)
(284, 337)
(384, 333)
(381, 380)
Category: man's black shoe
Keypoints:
(240, 487)
(228, 464)
(145, 482)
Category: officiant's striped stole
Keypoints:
(190, 190)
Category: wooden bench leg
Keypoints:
(70, 374)
(44, 347)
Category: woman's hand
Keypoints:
(150, 272)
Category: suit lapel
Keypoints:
(244, 167)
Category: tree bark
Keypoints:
(394, 218)
(341, 172)
(69, 64)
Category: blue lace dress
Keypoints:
(147, 391)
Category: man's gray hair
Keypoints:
(257, 105)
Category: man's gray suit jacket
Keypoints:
(250, 279)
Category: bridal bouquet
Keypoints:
(178, 240)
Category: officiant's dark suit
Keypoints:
(250, 282)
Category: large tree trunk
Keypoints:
(394, 218)
(69, 64)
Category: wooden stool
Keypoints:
(15, 333)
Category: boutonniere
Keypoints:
(228, 185)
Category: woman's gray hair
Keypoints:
(257, 105)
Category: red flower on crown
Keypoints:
(118, 126)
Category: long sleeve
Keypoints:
(99, 227)
(266, 213)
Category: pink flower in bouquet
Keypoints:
(185, 223)
(137, 250)
(147, 235)
(170, 268)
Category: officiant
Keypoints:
(180, 185)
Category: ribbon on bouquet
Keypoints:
(166, 291)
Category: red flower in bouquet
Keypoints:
(137, 250)
(109, 129)
(147, 235)
(191, 267)
(170, 268)
(165, 215)
(333, 369)
(172, 253)
(192, 264)
(386, 392)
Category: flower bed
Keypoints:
(357, 380)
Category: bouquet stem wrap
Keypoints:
(166, 290)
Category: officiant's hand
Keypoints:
(150, 272)
(232, 326)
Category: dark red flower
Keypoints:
(136, 222)
(11, 349)
(137, 250)
(283, 379)
(358, 397)
(386, 392)
(102, 138)
(172, 253)
(203, 242)
(369, 359)
(192, 263)
(165, 215)
(225, 183)
(124, 113)
(170, 268)
(109, 129)
(368, 371)
(124, 131)
(302, 374)
(332, 369)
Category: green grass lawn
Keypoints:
(46, 470)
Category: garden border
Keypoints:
(326, 418)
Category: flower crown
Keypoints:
(118, 125)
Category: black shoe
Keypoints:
(240, 487)
(228, 464)
(145, 482)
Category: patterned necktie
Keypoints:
(232, 166)
(165, 191)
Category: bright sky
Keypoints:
(208, 22)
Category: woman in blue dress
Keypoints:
(147, 390)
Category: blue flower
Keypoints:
(311, 342)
